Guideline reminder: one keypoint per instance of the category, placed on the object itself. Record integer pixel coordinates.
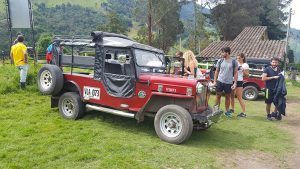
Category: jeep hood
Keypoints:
(169, 83)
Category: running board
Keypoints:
(111, 111)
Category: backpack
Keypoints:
(233, 64)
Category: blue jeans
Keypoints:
(23, 72)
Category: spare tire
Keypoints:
(50, 79)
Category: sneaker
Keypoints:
(242, 115)
(278, 117)
(228, 114)
(269, 117)
(231, 110)
(274, 114)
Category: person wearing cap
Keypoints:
(19, 56)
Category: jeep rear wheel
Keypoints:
(173, 124)
(70, 106)
(250, 93)
(50, 79)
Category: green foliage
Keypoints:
(115, 24)
(43, 42)
(196, 28)
(295, 83)
(124, 8)
(234, 15)
(294, 42)
(66, 19)
(10, 78)
(165, 22)
(273, 16)
(142, 35)
(96, 4)
(291, 55)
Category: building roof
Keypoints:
(252, 42)
(253, 33)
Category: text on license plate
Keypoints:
(91, 93)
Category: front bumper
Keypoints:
(207, 118)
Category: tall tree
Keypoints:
(167, 23)
(162, 22)
(114, 24)
(196, 28)
(234, 15)
(273, 16)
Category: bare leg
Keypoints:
(239, 92)
(218, 99)
(227, 101)
(275, 109)
(232, 95)
(268, 108)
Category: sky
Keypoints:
(295, 21)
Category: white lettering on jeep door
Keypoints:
(91, 93)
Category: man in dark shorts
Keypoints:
(270, 76)
(226, 69)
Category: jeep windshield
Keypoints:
(149, 59)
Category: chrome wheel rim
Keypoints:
(46, 79)
(170, 124)
(250, 94)
(68, 107)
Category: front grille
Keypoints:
(201, 98)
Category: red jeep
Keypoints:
(113, 74)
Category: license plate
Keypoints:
(91, 93)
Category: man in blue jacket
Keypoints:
(270, 76)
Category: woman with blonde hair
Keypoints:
(243, 71)
(190, 63)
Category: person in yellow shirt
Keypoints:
(19, 56)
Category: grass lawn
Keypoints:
(32, 135)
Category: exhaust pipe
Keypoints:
(110, 111)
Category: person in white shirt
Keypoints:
(243, 71)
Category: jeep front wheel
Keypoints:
(173, 124)
(70, 106)
(250, 93)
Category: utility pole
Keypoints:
(287, 39)
(150, 22)
(32, 32)
(195, 27)
(9, 26)
(180, 43)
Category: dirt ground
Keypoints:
(261, 160)
(292, 125)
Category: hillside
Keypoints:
(96, 4)
(295, 43)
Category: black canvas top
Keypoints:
(109, 40)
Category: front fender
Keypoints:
(158, 100)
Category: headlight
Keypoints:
(160, 88)
(199, 88)
(189, 91)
